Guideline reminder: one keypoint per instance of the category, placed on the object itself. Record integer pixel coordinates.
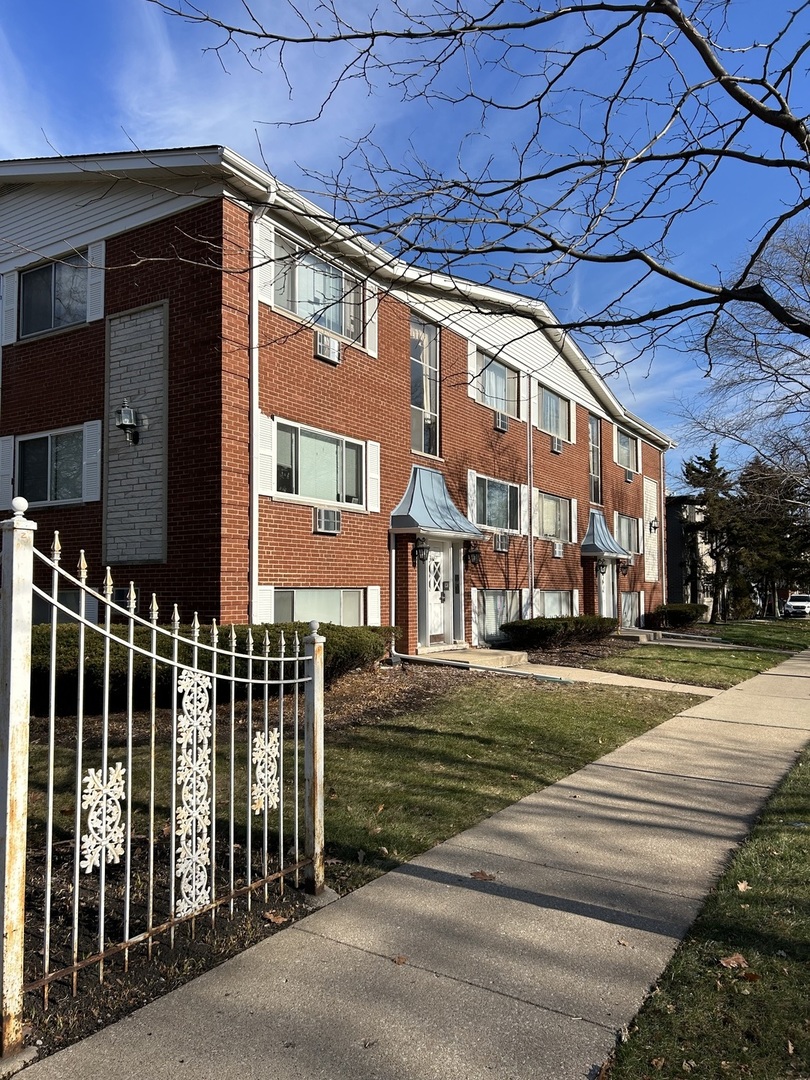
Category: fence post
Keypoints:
(313, 762)
(15, 693)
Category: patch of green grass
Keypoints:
(735, 999)
(791, 634)
(720, 668)
(397, 787)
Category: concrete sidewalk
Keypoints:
(513, 951)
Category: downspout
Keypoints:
(530, 484)
(256, 214)
(660, 536)
(392, 602)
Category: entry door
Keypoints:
(439, 595)
(607, 592)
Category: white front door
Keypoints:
(439, 595)
(607, 592)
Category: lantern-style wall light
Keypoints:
(624, 567)
(420, 550)
(126, 418)
(472, 553)
(601, 567)
(654, 525)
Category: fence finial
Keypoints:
(19, 505)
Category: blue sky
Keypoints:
(89, 76)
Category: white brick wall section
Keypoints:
(135, 519)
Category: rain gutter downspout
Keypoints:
(530, 484)
(256, 214)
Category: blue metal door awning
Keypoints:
(426, 507)
(599, 542)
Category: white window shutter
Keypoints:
(263, 259)
(372, 317)
(534, 393)
(474, 617)
(615, 444)
(536, 512)
(525, 603)
(472, 371)
(525, 509)
(640, 535)
(575, 601)
(266, 479)
(96, 254)
(471, 495)
(538, 603)
(525, 396)
(91, 608)
(6, 471)
(11, 285)
(373, 606)
(373, 478)
(572, 421)
(264, 611)
(641, 607)
(574, 527)
(91, 465)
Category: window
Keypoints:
(553, 517)
(54, 295)
(496, 607)
(318, 291)
(626, 450)
(553, 604)
(424, 387)
(317, 466)
(497, 504)
(341, 606)
(50, 467)
(497, 385)
(554, 411)
(627, 532)
(595, 459)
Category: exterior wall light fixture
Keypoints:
(472, 553)
(420, 550)
(654, 525)
(126, 418)
(624, 567)
(601, 567)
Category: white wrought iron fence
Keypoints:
(182, 773)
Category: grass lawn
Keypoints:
(735, 999)
(792, 634)
(719, 668)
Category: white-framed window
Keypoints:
(496, 385)
(497, 504)
(553, 519)
(554, 413)
(52, 466)
(341, 606)
(317, 290)
(626, 450)
(317, 466)
(496, 607)
(595, 457)
(553, 603)
(424, 386)
(64, 292)
(627, 532)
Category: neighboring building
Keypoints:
(321, 431)
(690, 567)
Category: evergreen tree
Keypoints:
(715, 529)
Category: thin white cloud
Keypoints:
(26, 109)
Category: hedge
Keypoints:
(346, 648)
(552, 633)
(675, 616)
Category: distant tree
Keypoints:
(713, 486)
(574, 134)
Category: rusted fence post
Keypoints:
(15, 693)
(313, 761)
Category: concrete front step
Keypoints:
(490, 658)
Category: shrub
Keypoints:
(346, 648)
(553, 633)
(675, 616)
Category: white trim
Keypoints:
(574, 527)
(96, 254)
(91, 461)
(263, 258)
(474, 641)
(575, 602)
(525, 603)
(373, 606)
(265, 604)
(371, 315)
(472, 495)
(372, 477)
(266, 477)
(524, 510)
(6, 471)
(472, 370)
(11, 288)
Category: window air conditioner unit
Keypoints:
(558, 549)
(556, 444)
(326, 521)
(501, 421)
(500, 542)
(628, 476)
(327, 347)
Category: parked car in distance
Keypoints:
(797, 606)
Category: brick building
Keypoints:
(248, 410)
